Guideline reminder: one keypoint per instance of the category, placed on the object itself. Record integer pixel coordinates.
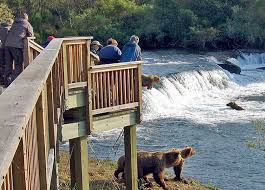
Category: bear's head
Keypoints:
(172, 158)
(156, 78)
(187, 152)
(231, 104)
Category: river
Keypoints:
(189, 108)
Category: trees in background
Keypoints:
(200, 24)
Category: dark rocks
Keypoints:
(232, 68)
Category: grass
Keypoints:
(101, 177)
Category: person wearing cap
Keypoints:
(20, 30)
(131, 50)
(95, 47)
(49, 39)
(110, 53)
(4, 29)
(94, 51)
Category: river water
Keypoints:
(189, 108)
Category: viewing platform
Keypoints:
(62, 96)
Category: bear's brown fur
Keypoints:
(152, 162)
(234, 106)
(185, 153)
(150, 80)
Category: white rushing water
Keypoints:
(201, 91)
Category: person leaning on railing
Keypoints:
(20, 29)
(131, 51)
(110, 53)
(4, 29)
(95, 48)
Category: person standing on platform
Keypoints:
(4, 29)
(14, 44)
(131, 51)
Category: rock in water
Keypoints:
(231, 67)
(234, 106)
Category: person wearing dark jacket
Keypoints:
(14, 44)
(4, 29)
(110, 53)
(131, 51)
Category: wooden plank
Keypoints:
(115, 121)
(117, 87)
(65, 71)
(128, 86)
(115, 66)
(18, 169)
(101, 90)
(79, 163)
(130, 157)
(76, 100)
(124, 86)
(74, 130)
(108, 90)
(112, 87)
(132, 84)
(50, 163)
(89, 90)
(120, 86)
(97, 90)
(115, 108)
(77, 85)
(104, 90)
(139, 76)
(41, 136)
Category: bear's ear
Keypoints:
(187, 152)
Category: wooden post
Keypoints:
(131, 157)
(65, 73)
(42, 135)
(79, 163)
(26, 51)
(19, 180)
(89, 89)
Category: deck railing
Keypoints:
(30, 113)
(115, 87)
(31, 50)
(31, 108)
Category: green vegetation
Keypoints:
(259, 142)
(200, 24)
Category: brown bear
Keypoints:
(152, 162)
(150, 80)
(185, 153)
(234, 106)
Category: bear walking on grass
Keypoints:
(152, 162)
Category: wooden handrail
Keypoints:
(29, 118)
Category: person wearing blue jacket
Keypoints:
(131, 50)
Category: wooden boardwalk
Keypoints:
(62, 96)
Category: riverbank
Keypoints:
(101, 177)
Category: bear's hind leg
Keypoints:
(159, 179)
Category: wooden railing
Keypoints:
(32, 107)
(31, 50)
(115, 87)
(30, 113)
